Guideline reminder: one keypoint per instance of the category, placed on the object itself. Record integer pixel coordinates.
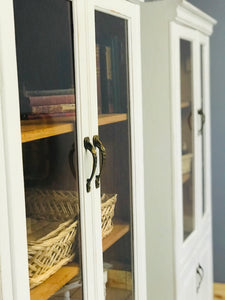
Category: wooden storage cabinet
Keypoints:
(177, 149)
(76, 202)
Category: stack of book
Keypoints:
(50, 104)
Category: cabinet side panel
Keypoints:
(0, 285)
(157, 150)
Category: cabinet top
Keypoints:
(180, 11)
(191, 16)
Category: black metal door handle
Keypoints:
(201, 113)
(98, 144)
(200, 272)
(199, 282)
(88, 146)
(71, 162)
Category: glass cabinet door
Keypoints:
(45, 59)
(187, 124)
(114, 143)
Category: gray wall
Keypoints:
(216, 9)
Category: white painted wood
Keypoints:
(13, 157)
(191, 16)
(86, 118)
(179, 33)
(91, 255)
(130, 12)
(205, 261)
(161, 102)
(188, 281)
(5, 263)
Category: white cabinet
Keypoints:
(71, 145)
(175, 63)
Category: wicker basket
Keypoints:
(56, 209)
(51, 204)
(186, 163)
(48, 254)
(108, 203)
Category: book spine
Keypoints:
(48, 100)
(58, 108)
(109, 79)
(99, 94)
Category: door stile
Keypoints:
(176, 142)
(178, 33)
(196, 140)
(91, 259)
(13, 160)
(137, 154)
(5, 263)
(204, 41)
(130, 12)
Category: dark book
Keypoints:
(116, 80)
(98, 75)
(106, 79)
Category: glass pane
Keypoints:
(202, 131)
(186, 73)
(45, 61)
(114, 132)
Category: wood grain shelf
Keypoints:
(186, 177)
(50, 286)
(32, 130)
(66, 273)
(119, 230)
(185, 104)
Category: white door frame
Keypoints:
(131, 13)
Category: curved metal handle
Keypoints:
(201, 113)
(199, 283)
(200, 272)
(189, 120)
(88, 146)
(71, 162)
(98, 144)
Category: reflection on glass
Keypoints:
(186, 73)
(202, 132)
(47, 105)
(114, 133)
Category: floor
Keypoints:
(219, 291)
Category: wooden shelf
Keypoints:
(185, 104)
(119, 230)
(105, 119)
(54, 283)
(186, 177)
(66, 273)
(32, 130)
